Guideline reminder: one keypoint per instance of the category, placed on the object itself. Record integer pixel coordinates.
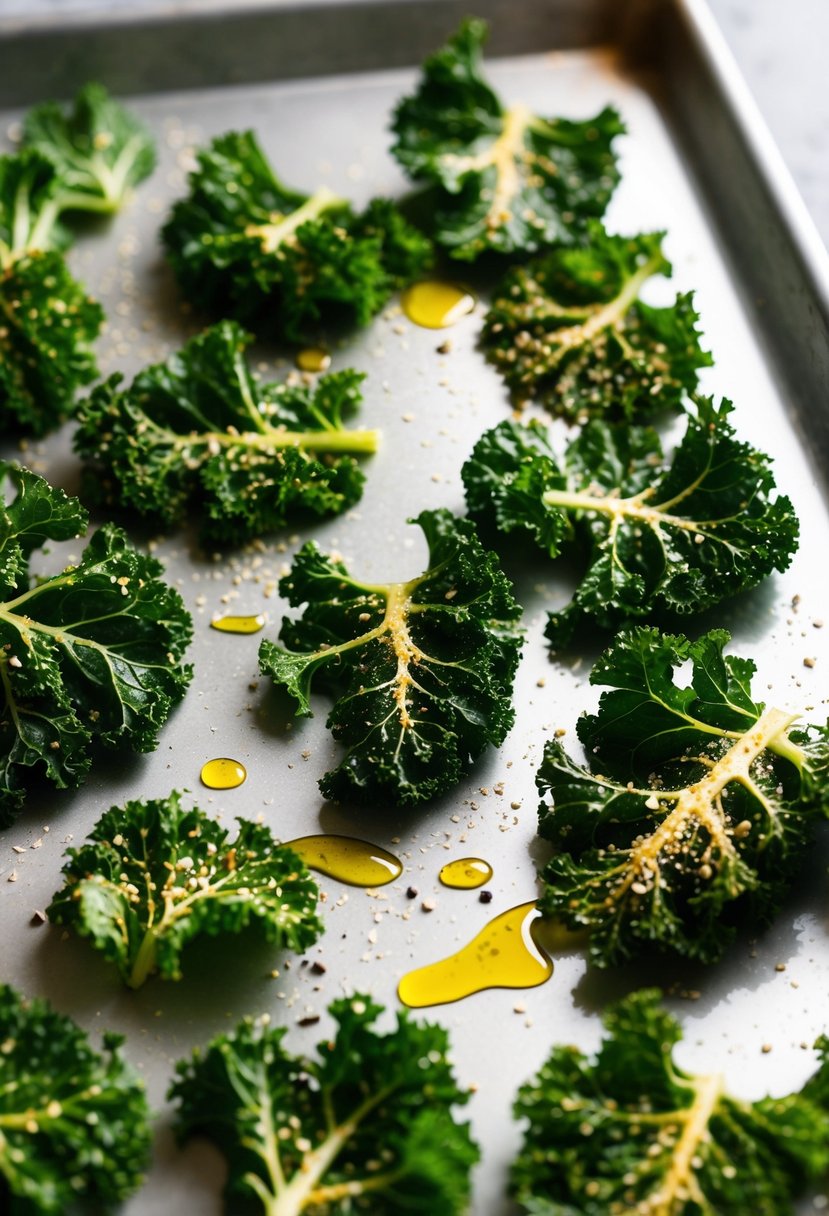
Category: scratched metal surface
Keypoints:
(333, 129)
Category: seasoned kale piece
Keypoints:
(508, 180)
(74, 1122)
(101, 150)
(86, 162)
(695, 807)
(47, 326)
(199, 432)
(156, 876)
(629, 1131)
(570, 332)
(679, 534)
(244, 245)
(420, 672)
(365, 1125)
(91, 653)
(47, 321)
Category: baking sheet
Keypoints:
(333, 129)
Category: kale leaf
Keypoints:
(508, 180)
(156, 876)
(199, 430)
(421, 672)
(365, 1125)
(570, 332)
(243, 245)
(680, 535)
(630, 1131)
(91, 653)
(74, 1122)
(47, 325)
(101, 150)
(47, 321)
(86, 162)
(695, 809)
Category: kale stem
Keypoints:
(275, 234)
(145, 961)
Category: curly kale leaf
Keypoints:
(679, 535)
(47, 323)
(101, 151)
(570, 332)
(84, 162)
(74, 1122)
(694, 810)
(242, 244)
(365, 1124)
(30, 204)
(630, 1131)
(91, 653)
(421, 672)
(156, 876)
(199, 431)
(508, 180)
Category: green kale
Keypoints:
(47, 325)
(243, 245)
(695, 809)
(199, 431)
(630, 1131)
(570, 332)
(101, 151)
(364, 1126)
(91, 653)
(507, 179)
(679, 535)
(86, 162)
(421, 672)
(74, 1123)
(30, 206)
(156, 876)
(47, 321)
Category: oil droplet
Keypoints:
(356, 862)
(313, 359)
(239, 624)
(505, 954)
(435, 305)
(223, 773)
(466, 873)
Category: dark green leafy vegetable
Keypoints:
(74, 1123)
(47, 323)
(91, 653)
(199, 431)
(421, 672)
(570, 332)
(696, 808)
(508, 180)
(101, 151)
(628, 1131)
(156, 876)
(242, 244)
(680, 535)
(364, 1126)
(86, 162)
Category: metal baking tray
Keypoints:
(317, 81)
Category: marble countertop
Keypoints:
(781, 51)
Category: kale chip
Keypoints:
(507, 180)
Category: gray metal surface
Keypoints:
(333, 128)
